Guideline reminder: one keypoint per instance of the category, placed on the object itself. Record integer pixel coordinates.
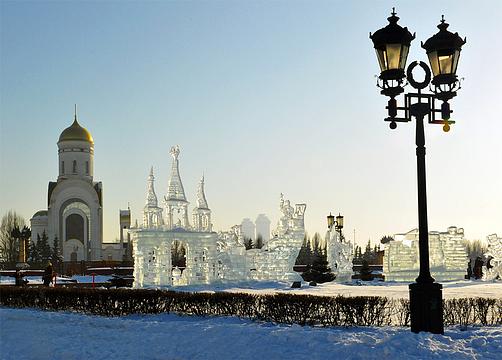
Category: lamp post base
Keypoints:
(426, 307)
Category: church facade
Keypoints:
(74, 214)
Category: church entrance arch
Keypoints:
(75, 224)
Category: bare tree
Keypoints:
(9, 244)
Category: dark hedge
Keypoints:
(279, 308)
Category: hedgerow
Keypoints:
(279, 308)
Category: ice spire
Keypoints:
(175, 189)
(201, 196)
(151, 197)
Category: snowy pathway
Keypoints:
(32, 334)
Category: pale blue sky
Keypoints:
(263, 97)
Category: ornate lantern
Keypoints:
(443, 50)
(331, 221)
(339, 222)
(392, 44)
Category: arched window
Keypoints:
(87, 167)
(75, 227)
(74, 166)
(62, 167)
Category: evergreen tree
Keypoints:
(305, 254)
(44, 249)
(248, 243)
(356, 253)
(259, 242)
(368, 247)
(385, 239)
(319, 270)
(365, 271)
(301, 258)
(309, 253)
(316, 240)
(368, 255)
(34, 250)
(56, 255)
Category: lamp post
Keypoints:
(443, 49)
(338, 224)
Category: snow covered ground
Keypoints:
(454, 289)
(32, 334)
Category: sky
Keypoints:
(263, 97)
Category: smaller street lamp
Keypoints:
(338, 224)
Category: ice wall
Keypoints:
(447, 256)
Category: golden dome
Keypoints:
(76, 133)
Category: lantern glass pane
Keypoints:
(445, 63)
(404, 56)
(382, 59)
(393, 56)
(455, 61)
(433, 60)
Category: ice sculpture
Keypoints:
(210, 256)
(339, 254)
(447, 256)
(494, 253)
(276, 259)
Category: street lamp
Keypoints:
(338, 224)
(443, 50)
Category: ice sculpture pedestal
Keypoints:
(426, 307)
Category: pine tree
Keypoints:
(44, 248)
(368, 253)
(319, 270)
(309, 254)
(34, 250)
(368, 247)
(259, 242)
(365, 271)
(385, 239)
(316, 244)
(305, 253)
(248, 243)
(56, 255)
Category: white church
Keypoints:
(74, 212)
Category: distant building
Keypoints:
(75, 201)
(122, 250)
(248, 229)
(263, 227)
